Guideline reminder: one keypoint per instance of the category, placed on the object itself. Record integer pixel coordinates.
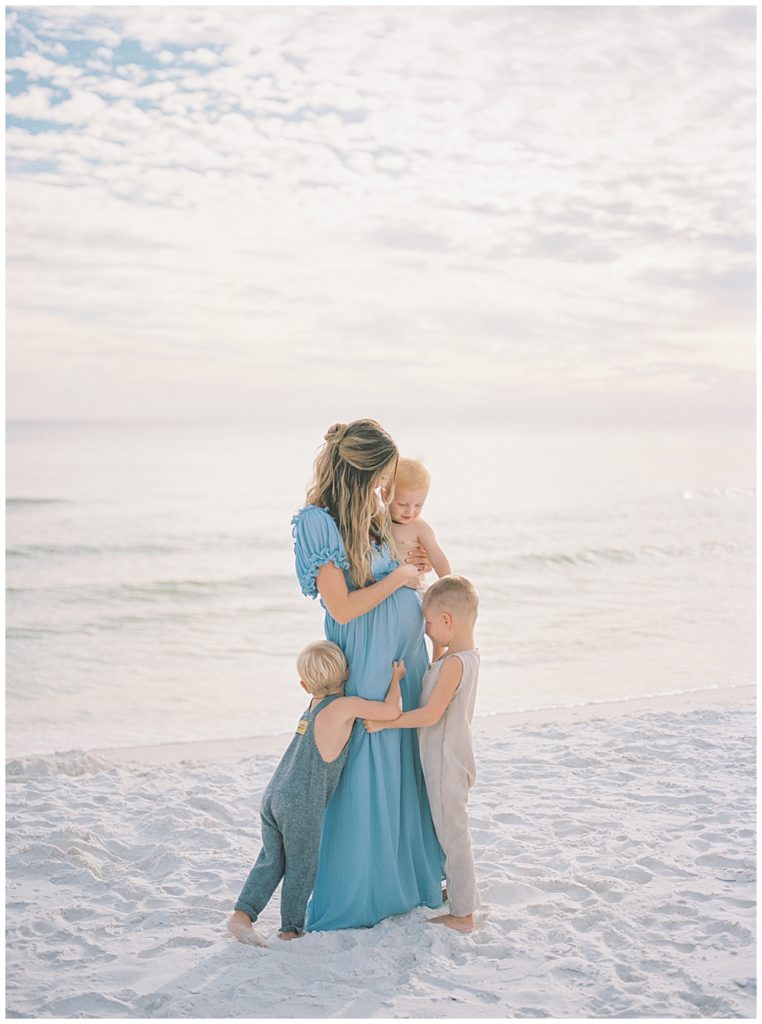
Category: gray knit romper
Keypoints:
(292, 809)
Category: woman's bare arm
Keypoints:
(344, 604)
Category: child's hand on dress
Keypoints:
(371, 726)
(394, 694)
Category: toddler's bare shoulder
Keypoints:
(424, 529)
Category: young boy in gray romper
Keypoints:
(450, 608)
(294, 801)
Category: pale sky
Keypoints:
(530, 214)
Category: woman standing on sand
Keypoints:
(379, 854)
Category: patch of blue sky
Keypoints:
(21, 82)
(14, 45)
(17, 82)
(33, 125)
(59, 94)
(17, 165)
(79, 50)
(131, 52)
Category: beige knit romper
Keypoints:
(447, 758)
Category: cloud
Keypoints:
(103, 34)
(34, 65)
(409, 237)
(302, 177)
(38, 103)
(203, 56)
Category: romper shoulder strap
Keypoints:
(326, 701)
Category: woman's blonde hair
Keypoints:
(321, 667)
(346, 469)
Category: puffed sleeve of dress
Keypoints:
(316, 541)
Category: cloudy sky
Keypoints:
(527, 213)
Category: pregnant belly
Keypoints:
(390, 632)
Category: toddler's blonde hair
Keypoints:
(454, 594)
(411, 474)
(321, 667)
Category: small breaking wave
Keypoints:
(11, 503)
(159, 590)
(635, 697)
(720, 492)
(644, 552)
(67, 550)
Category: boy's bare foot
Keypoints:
(287, 936)
(241, 928)
(459, 924)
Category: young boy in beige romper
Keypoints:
(450, 608)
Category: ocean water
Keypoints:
(152, 597)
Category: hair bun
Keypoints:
(336, 433)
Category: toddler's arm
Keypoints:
(385, 710)
(450, 676)
(437, 557)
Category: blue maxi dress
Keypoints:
(379, 854)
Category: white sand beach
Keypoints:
(614, 845)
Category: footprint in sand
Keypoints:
(629, 976)
(636, 875)
(743, 935)
(179, 942)
(612, 896)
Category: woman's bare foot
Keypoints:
(241, 928)
(459, 924)
(287, 936)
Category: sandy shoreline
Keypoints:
(615, 858)
(216, 750)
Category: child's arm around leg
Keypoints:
(448, 682)
(386, 710)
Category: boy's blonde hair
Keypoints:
(411, 474)
(321, 667)
(454, 594)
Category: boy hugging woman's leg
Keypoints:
(294, 801)
(450, 607)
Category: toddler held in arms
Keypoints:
(411, 488)
(450, 608)
(294, 801)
